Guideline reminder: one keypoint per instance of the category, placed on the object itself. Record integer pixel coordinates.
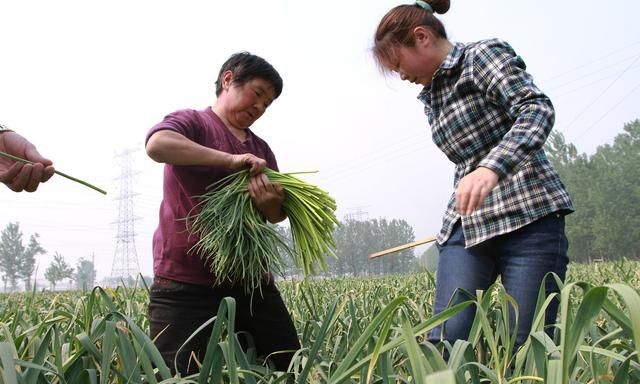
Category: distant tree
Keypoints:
(388, 234)
(560, 153)
(577, 173)
(429, 258)
(616, 197)
(85, 275)
(58, 270)
(16, 260)
(28, 264)
(605, 189)
(353, 245)
(290, 269)
(11, 250)
(357, 239)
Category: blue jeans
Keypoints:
(521, 258)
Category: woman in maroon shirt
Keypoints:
(199, 148)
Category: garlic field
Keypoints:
(351, 331)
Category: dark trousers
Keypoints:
(521, 258)
(176, 310)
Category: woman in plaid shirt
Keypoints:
(506, 215)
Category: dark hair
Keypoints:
(246, 67)
(396, 28)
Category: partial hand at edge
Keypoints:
(18, 176)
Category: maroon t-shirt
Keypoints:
(172, 243)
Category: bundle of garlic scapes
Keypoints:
(241, 247)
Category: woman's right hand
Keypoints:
(246, 160)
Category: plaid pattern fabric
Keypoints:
(485, 111)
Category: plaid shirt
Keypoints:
(485, 111)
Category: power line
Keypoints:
(590, 74)
(602, 93)
(588, 85)
(375, 160)
(607, 112)
(603, 57)
(349, 163)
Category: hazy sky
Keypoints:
(85, 80)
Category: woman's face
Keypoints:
(417, 63)
(245, 103)
(411, 66)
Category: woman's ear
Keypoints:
(227, 79)
(421, 35)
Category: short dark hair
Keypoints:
(246, 67)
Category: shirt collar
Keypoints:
(452, 59)
(209, 111)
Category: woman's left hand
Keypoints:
(267, 197)
(473, 190)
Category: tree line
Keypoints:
(355, 240)
(18, 263)
(605, 189)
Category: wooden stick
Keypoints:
(402, 247)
